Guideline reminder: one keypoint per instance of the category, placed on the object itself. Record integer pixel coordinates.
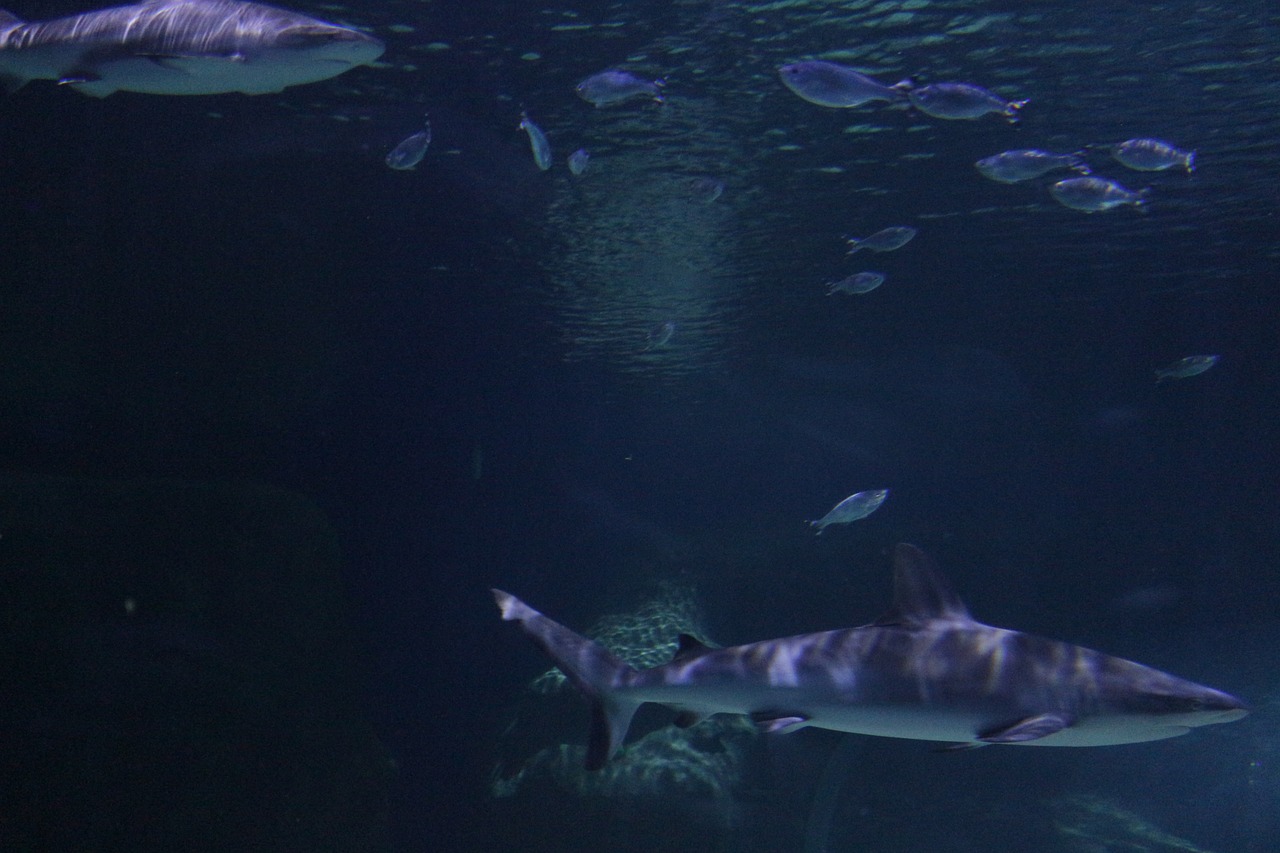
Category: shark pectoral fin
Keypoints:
(71, 78)
(959, 747)
(774, 724)
(88, 83)
(1028, 728)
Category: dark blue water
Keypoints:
(453, 371)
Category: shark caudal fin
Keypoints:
(592, 668)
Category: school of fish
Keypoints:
(194, 47)
(835, 86)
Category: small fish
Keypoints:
(830, 85)
(1152, 155)
(856, 285)
(1192, 365)
(1023, 164)
(1095, 194)
(660, 335)
(537, 142)
(411, 150)
(961, 101)
(852, 508)
(708, 189)
(885, 240)
(614, 87)
(578, 161)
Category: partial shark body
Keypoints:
(926, 670)
(180, 47)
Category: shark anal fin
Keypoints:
(1028, 728)
(771, 723)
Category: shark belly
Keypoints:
(960, 722)
(909, 721)
(200, 75)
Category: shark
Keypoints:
(180, 47)
(926, 670)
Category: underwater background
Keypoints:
(274, 417)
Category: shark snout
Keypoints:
(1230, 716)
(1209, 707)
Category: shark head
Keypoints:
(1164, 700)
(325, 43)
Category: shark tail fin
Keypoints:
(592, 668)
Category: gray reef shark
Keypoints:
(180, 47)
(926, 670)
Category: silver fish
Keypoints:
(615, 87)
(856, 285)
(180, 47)
(1023, 164)
(852, 508)
(1192, 365)
(830, 85)
(1152, 155)
(537, 142)
(578, 161)
(962, 101)
(660, 335)
(884, 240)
(411, 150)
(1093, 195)
(707, 188)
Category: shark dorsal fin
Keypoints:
(920, 592)
(689, 647)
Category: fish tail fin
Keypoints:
(1078, 164)
(657, 90)
(1191, 162)
(592, 668)
(1012, 110)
